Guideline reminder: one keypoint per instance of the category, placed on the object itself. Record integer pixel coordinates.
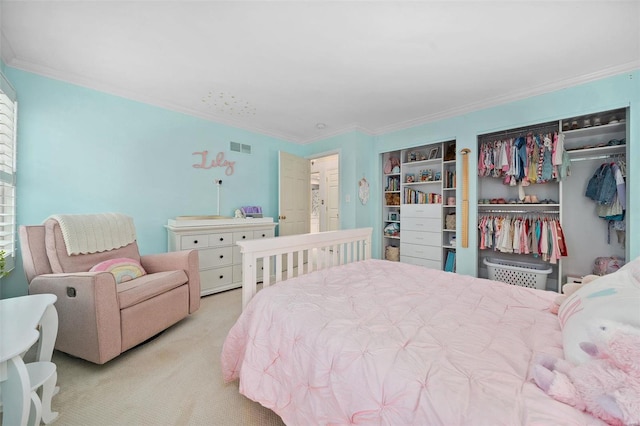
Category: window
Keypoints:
(8, 120)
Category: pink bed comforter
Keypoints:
(381, 342)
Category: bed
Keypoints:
(341, 338)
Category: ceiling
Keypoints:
(280, 68)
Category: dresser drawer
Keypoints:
(237, 272)
(194, 241)
(242, 236)
(421, 210)
(217, 240)
(419, 224)
(215, 257)
(214, 278)
(423, 252)
(427, 263)
(421, 237)
(266, 233)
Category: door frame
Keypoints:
(338, 153)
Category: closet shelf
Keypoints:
(601, 150)
(422, 182)
(595, 130)
(433, 161)
(517, 205)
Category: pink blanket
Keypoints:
(379, 342)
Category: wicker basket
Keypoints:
(520, 273)
(392, 253)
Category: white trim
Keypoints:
(511, 97)
(6, 52)
(137, 97)
(453, 112)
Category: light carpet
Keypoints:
(173, 379)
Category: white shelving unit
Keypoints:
(417, 186)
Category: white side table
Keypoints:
(20, 318)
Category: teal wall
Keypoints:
(354, 149)
(83, 151)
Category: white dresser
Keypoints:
(421, 235)
(215, 240)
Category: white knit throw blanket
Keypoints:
(94, 233)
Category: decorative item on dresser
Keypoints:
(215, 240)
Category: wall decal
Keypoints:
(219, 161)
(363, 191)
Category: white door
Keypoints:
(333, 200)
(294, 195)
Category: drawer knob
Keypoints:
(221, 276)
(221, 256)
(195, 241)
(244, 236)
(264, 235)
(221, 238)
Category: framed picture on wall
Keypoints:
(433, 154)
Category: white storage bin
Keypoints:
(520, 273)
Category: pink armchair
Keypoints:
(99, 319)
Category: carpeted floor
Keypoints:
(173, 379)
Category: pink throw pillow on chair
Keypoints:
(122, 268)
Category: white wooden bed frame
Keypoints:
(312, 252)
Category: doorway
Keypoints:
(325, 193)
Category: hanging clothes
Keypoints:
(607, 187)
(536, 235)
(533, 158)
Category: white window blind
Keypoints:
(8, 126)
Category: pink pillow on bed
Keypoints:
(122, 268)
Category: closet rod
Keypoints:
(523, 131)
(534, 212)
(598, 157)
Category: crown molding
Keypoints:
(6, 51)
(511, 97)
(134, 96)
(338, 132)
(9, 59)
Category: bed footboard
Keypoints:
(296, 255)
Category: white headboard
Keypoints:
(305, 253)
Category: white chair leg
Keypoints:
(49, 389)
(35, 413)
(15, 392)
(43, 377)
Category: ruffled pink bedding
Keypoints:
(379, 342)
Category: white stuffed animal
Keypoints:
(607, 385)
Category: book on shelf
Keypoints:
(450, 264)
(393, 183)
(411, 196)
(450, 179)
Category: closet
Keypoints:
(533, 181)
(419, 205)
(592, 140)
